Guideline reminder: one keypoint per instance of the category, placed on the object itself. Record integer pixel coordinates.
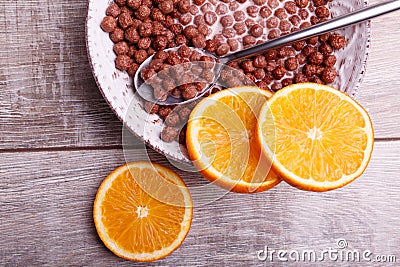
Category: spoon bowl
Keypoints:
(146, 91)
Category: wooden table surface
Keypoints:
(59, 139)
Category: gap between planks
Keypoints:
(114, 147)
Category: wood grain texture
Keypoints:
(47, 198)
(379, 92)
(50, 102)
(48, 94)
(49, 98)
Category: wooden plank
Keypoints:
(48, 94)
(46, 214)
(379, 92)
(49, 98)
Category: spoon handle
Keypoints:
(321, 28)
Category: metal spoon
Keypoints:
(146, 91)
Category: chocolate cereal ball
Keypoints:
(156, 64)
(134, 4)
(172, 119)
(144, 43)
(337, 41)
(142, 12)
(322, 12)
(307, 50)
(185, 19)
(316, 79)
(113, 10)
(150, 107)
(164, 111)
(300, 78)
(247, 66)
(259, 62)
(184, 113)
(190, 31)
(160, 43)
(329, 60)
(320, 2)
(120, 2)
(122, 62)
(140, 56)
(274, 33)
(198, 2)
(132, 69)
(265, 12)
(222, 49)
(132, 35)
(121, 48)
(126, 9)
(176, 28)
(276, 86)
(295, 20)
(148, 3)
(280, 13)
(287, 82)
(309, 70)
(184, 6)
(259, 74)
(228, 32)
(302, 3)
(210, 18)
(259, 2)
(125, 20)
(166, 6)
(271, 65)
(271, 54)
(210, 46)
(256, 30)
(325, 49)
(117, 35)
(157, 15)
(249, 40)
(199, 41)
(291, 63)
(168, 134)
(273, 3)
(189, 93)
(184, 51)
(290, 7)
(239, 15)
(328, 75)
(316, 58)
(147, 74)
(108, 24)
(279, 72)
(226, 21)
(145, 29)
(239, 27)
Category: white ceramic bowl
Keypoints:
(116, 86)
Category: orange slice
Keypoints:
(221, 141)
(142, 211)
(317, 137)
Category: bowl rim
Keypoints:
(353, 94)
(364, 62)
(109, 103)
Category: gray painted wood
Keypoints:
(57, 140)
(379, 92)
(47, 199)
(48, 94)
